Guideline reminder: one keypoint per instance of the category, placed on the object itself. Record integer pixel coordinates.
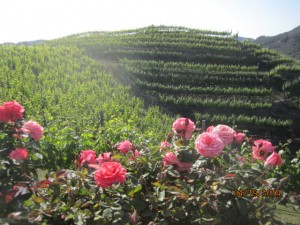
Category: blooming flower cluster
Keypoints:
(11, 112)
(264, 151)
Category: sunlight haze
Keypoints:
(43, 19)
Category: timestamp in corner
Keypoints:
(257, 193)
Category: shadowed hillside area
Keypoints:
(287, 43)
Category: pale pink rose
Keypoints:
(184, 127)
(273, 160)
(239, 138)
(225, 133)
(104, 157)
(170, 159)
(125, 146)
(261, 149)
(209, 144)
(240, 159)
(18, 154)
(33, 129)
(133, 218)
(210, 128)
(110, 173)
(87, 156)
(11, 112)
(165, 144)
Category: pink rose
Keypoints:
(261, 149)
(225, 133)
(87, 156)
(184, 127)
(210, 128)
(110, 173)
(18, 154)
(135, 154)
(239, 138)
(209, 144)
(170, 159)
(33, 129)
(273, 160)
(104, 157)
(164, 145)
(11, 111)
(125, 146)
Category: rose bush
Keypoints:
(190, 178)
(19, 158)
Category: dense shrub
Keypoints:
(217, 176)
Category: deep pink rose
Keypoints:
(11, 111)
(33, 129)
(225, 133)
(239, 138)
(184, 127)
(273, 160)
(261, 149)
(209, 144)
(210, 128)
(87, 156)
(18, 154)
(110, 173)
(125, 146)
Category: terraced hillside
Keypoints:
(204, 75)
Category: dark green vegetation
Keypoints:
(204, 75)
(287, 43)
(79, 105)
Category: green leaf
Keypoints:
(36, 156)
(161, 195)
(107, 213)
(136, 190)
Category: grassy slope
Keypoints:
(66, 92)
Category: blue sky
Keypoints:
(25, 20)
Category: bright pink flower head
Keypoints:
(110, 173)
(210, 128)
(184, 127)
(209, 144)
(104, 157)
(11, 111)
(165, 144)
(273, 160)
(170, 159)
(125, 146)
(18, 154)
(261, 149)
(225, 133)
(33, 129)
(87, 156)
(239, 138)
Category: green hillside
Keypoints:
(203, 75)
(79, 105)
